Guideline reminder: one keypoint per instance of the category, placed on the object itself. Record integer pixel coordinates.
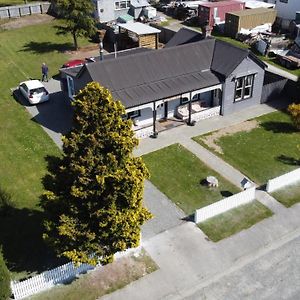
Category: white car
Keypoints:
(34, 91)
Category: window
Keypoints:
(284, 1)
(134, 114)
(243, 88)
(184, 100)
(122, 4)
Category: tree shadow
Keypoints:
(288, 160)
(278, 127)
(21, 240)
(46, 47)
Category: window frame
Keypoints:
(125, 3)
(242, 88)
(134, 114)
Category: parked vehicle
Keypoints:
(73, 63)
(34, 91)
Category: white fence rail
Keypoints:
(205, 114)
(144, 132)
(62, 274)
(224, 205)
(47, 280)
(283, 180)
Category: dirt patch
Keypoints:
(211, 140)
(26, 21)
(103, 280)
(84, 52)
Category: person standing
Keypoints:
(44, 72)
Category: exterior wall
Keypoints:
(287, 10)
(247, 67)
(208, 14)
(105, 10)
(234, 22)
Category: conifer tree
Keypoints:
(93, 198)
(4, 280)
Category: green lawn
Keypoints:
(102, 281)
(234, 221)
(289, 195)
(24, 145)
(178, 174)
(266, 152)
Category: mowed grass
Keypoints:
(103, 280)
(24, 145)
(178, 174)
(289, 195)
(266, 152)
(234, 221)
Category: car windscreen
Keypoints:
(38, 91)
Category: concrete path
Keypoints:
(166, 215)
(214, 162)
(172, 136)
(189, 263)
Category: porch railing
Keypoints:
(207, 113)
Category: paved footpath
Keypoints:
(189, 263)
(173, 135)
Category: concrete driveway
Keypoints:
(54, 116)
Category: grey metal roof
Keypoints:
(154, 75)
(227, 57)
(184, 36)
(139, 3)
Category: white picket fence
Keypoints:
(47, 280)
(144, 132)
(62, 274)
(283, 180)
(224, 205)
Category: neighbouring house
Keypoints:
(213, 13)
(248, 19)
(111, 10)
(286, 9)
(184, 83)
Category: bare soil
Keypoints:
(26, 21)
(211, 140)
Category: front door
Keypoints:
(160, 111)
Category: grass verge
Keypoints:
(179, 174)
(289, 195)
(262, 153)
(103, 280)
(234, 221)
(25, 146)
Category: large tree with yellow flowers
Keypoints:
(93, 198)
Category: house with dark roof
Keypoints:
(184, 83)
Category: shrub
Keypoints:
(5, 291)
(294, 111)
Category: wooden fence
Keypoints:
(17, 11)
(283, 180)
(273, 86)
(224, 205)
